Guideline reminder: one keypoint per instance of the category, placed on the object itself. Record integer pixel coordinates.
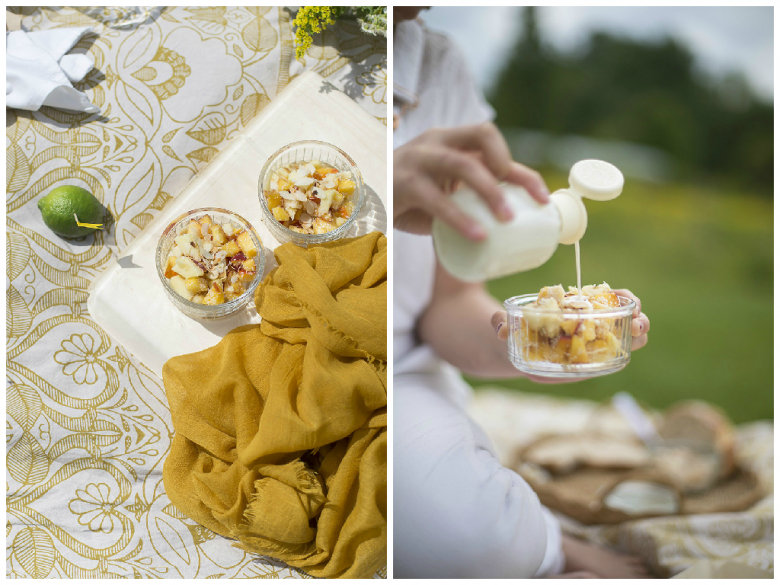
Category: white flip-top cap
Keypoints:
(596, 179)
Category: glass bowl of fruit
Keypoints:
(559, 334)
(311, 192)
(210, 261)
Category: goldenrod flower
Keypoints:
(310, 20)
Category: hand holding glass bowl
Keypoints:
(210, 261)
(549, 339)
(311, 192)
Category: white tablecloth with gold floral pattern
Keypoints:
(87, 426)
(668, 545)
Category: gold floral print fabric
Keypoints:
(88, 426)
(668, 545)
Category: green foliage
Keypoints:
(644, 92)
(701, 260)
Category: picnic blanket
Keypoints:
(88, 426)
(668, 545)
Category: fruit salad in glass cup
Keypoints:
(560, 334)
(210, 261)
(311, 192)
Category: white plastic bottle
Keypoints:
(531, 237)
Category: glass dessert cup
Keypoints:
(166, 244)
(568, 343)
(301, 152)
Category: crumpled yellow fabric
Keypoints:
(281, 428)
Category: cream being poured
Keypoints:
(579, 272)
(579, 301)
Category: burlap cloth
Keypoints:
(281, 428)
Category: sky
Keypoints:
(722, 39)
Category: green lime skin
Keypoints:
(57, 209)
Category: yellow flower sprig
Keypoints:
(310, 20)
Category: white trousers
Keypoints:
(457, 512)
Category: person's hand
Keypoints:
(427, 170)
(640, 324)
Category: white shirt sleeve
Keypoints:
(430, 66)
(457, 512)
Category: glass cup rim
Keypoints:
(517, 305)
(314, 238)
(226, 307)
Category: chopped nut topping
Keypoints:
(198, 262)
(311, 197)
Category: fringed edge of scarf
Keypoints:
(308, 483)
(379, 365)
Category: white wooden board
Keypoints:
(128, 300)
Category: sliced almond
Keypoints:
(304, 182)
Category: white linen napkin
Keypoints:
(39, 72)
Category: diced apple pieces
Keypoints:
(231, 248)
(322, 172)
(325, 201)
(346, 186)
(198, 299)
(234, 290)
(562, 347)
(194, 228)
(169, 263)
(184, 243)
(197, 284)
(178, 284)
(186, 267)
(218, 236)
(280, 214)
(321, 226)
(588, 330)
(187, 247)
(603, 300)
(215, 295)
(247, 272)
(569, 326)
(247, 245)
(579, 354)
(206, 220)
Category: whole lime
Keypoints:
(63, 204)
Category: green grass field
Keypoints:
(702, 263)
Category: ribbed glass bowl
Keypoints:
(599, 342)
(305, 151)
(166, 243)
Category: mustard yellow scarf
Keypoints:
(281, 428)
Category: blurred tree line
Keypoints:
(644, 92)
